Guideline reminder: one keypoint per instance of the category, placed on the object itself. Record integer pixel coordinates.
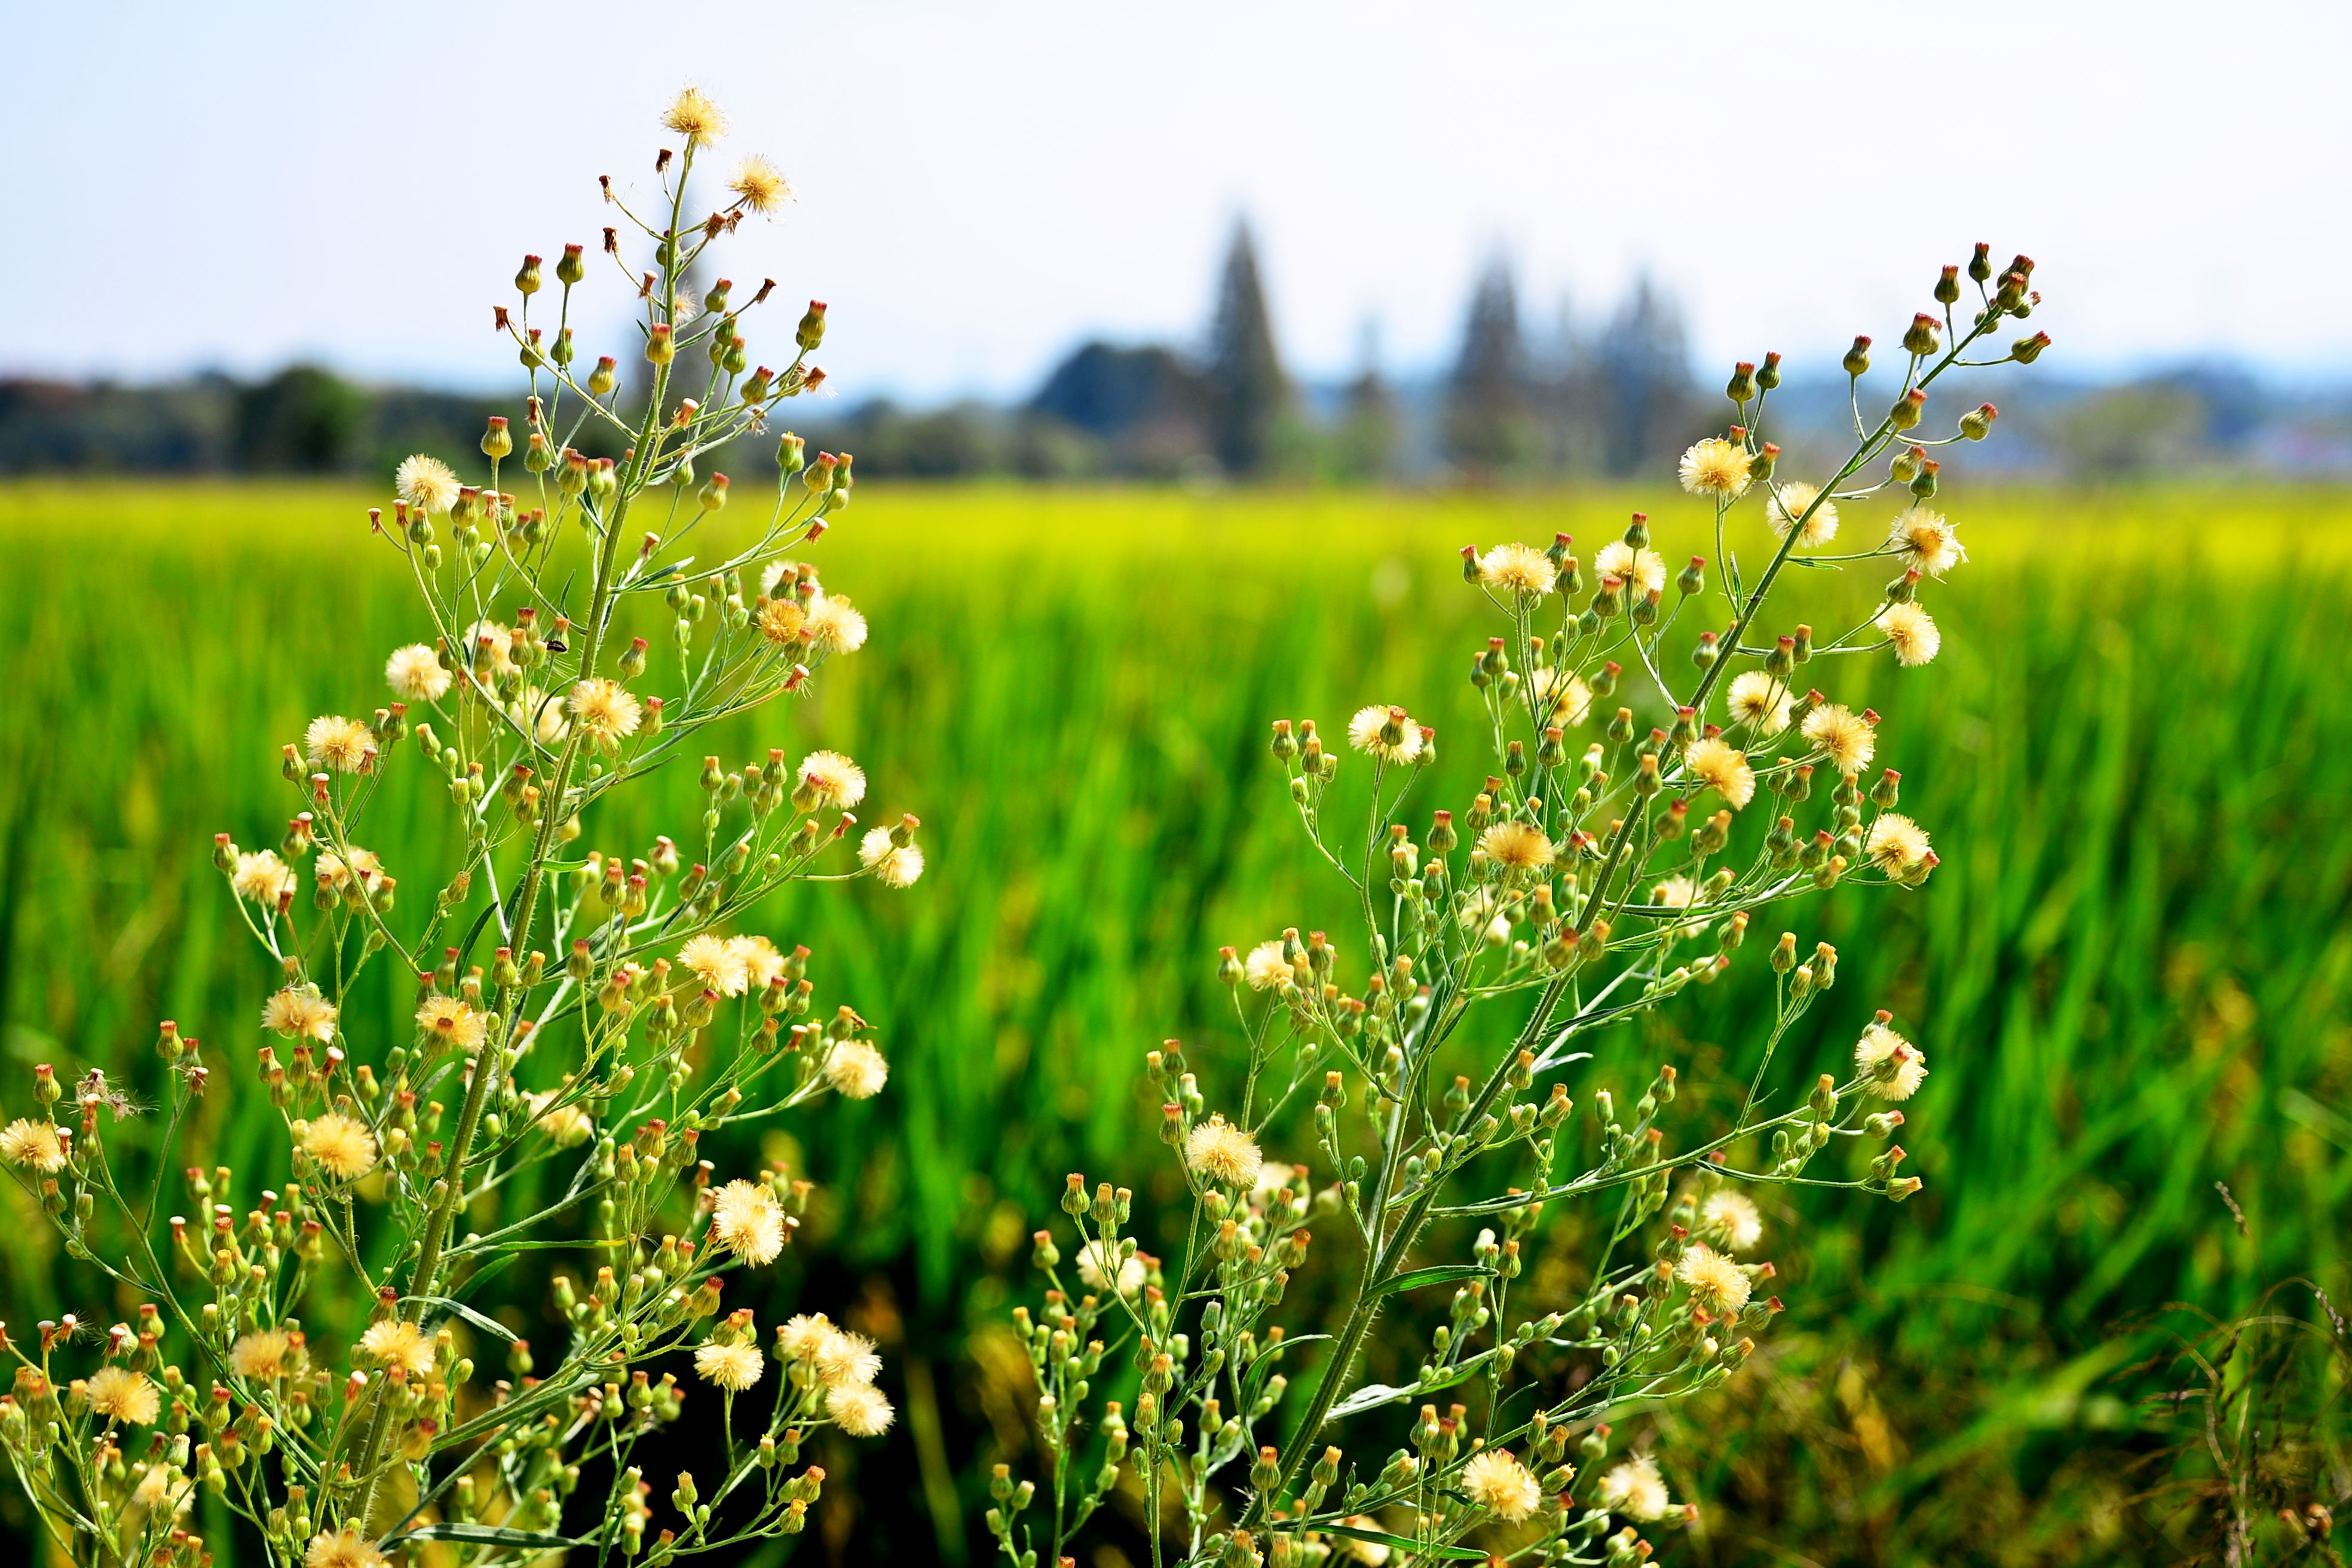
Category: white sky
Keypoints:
(981, 185)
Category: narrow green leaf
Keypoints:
(1436, 1274)
(488, 1324)
(1447, 1554)
(488, 1535)
(1372, 1395)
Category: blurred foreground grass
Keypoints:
(2131, 972)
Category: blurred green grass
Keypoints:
(2130, 973)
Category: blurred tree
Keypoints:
(303, 419)
(1491, 425)
(1639, 382)
(1248, 396)
(1365, 445)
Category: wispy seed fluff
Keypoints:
(1100, 1267)
(734, 1367)
(1892, 1067)
(337, 743)
(1722, 769)
(425, 481)
(760, 185)
(397, 1342)
(1642, 570)
(1561, 696)
(118, 1394)
(1761, 701)
(32, 1146)
(1714, 1281)
(893, 865)
(1266, 966)
(1714, 467)
(1897, 846)
(846, 1360)
(1517, 569)
(500, 641)
(1788, 504)
(829, 782)
(1635, 1489)
(1923, 539)
(835, 624)
(340, 1145)
(694, 116)
(261, 1353)
(1517, 846)
(761, 963)
(259, 876)
(414, 674)
(860, 1410)
(1495, 1480)
(747, 1220)
(1841, 736)
(1729, 1220)
(855, 1070)
(345, 1548)
(717, 962)
(801, 1337)
(1224, 1154)
(606, 711)
(541, 714)
(1368, 733)
(1911, 631)
(300, 1013)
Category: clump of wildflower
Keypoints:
(829, 782)
(449, 1021)
(1384, 732)
(694, 116)
(855, 1070)
(1721, 768)
(416, 675)
(344, 1548)
(893, 865)
(1223, 1153)
(397, 1343)
(261, 1354)
(1268, 965)
(1911, 631)
(32, 1146)
(1517, 846)
(259, 876)
(1761, 701)
(733, 1365)
(1495, 1480)
(1898, 847)
(747, 1220)
(1714, 1281)
(1642, 569)
(1517, 569)
(426, 482)
(1788, 504)
(340, 1145)
(717, 962)
(607, 711)
(118, 1394)
(758, 184)
(1841, 736)
(300, 1013)
(1100, 1267)
(337, 743)
(1730, 1220)
(860, 1410)
(1635, 1489)
(1714, 467)
(1892, 1067)
(1924, 541)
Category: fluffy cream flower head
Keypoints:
(835, 624)
(1911, 631)
(346, 1547)
(607, 710)
(860, 1410)
(1223, 1153)
(118, 1394)
(855, 1070)
(1100, 1267)
(846, 1360)
(1517, 569)
(299, 1012)
(758, 184)
(1730, 1220)
(801, 1337)
(734, 1367)
(747, 1220)
(260, 877)
(340, 1145)
(1561, 696)
(717, 962)
(32, 1146)
(694, 116)
(426, 482)
(1635, 1489)
(893, 865)
(1715, 466)
(540, 714)
(1788, 504)
(1841, 736)
(1714, 1281)
(761, 963)
(1267, 966)
(261, 1353)
(1761, 701)
(1369, 733)
(1923, 539)
(1892, 1067)
(448, 1021)
(829, 782)
(1642, 570)
(1495, 1480)
(1722, 769)
(397, 1343)
(1898, 847)
(1517, 846)
(337, 745)
(414, 674)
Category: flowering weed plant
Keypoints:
(581, 1016)
(1605, 866)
